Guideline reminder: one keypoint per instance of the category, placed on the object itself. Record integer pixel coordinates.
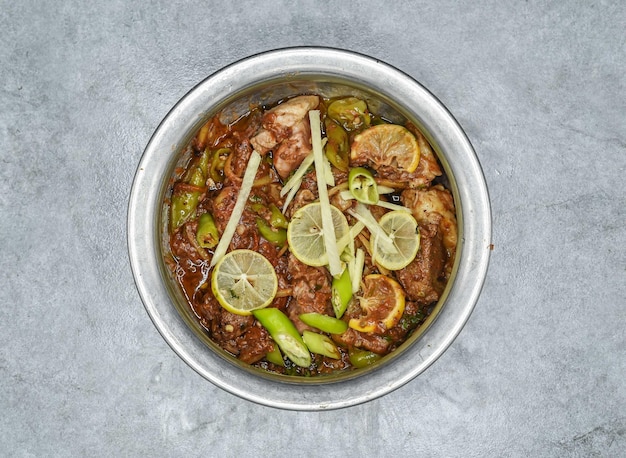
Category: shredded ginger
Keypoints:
(330, 241)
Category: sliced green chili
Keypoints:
(187, 192)
(207, 234)
(324, 323)
(362, 358)
(341, 293)
(196, 177)
(198, 169)
(183, 206)
(321, 344)
(363, 186)
(285, 335)
(350, 112)
(337, 146)
(275, 356)
(277, 218)
(216, 169)
(276, 236)
(257, 207)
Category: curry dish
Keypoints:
(312, 236)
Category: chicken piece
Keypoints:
(423, 279)
(342, 204)
(305, 195)
(278, 122)
(264, 141)
(241, 336)
(292, 151)
(222, 206)
(183, 246)
(311, 292)
(283, 117)
(286, 131)
(434, 205)
(372, 342)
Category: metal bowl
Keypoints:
(267, 78)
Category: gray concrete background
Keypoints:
(539, 369)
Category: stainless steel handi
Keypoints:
(266, 78)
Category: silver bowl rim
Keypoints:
(453, 147)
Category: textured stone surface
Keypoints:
(540, 89)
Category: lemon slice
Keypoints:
(243, 281)
(386, 144)
(305, 233)
(403, 231)
(382, 305)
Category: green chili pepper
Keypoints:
(207, 234)
(409, 322)
(203, 162)
(324, 323)
(338, 146)
(362, 358)
(185, 200)
(196, 177)
(277, 219)
(285, 335)
(198, 170)
(276, 236)
(341, 293)
(183, 206)
(363, 186)
(321, 344)
(275, 356)
(216, 170)
(257, 207)
(350, 112)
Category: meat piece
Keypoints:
(264, 141)
(207, 309)
(254, 344)
(183, 243)
(305, 195)
(428, 167)
(223, 205)
(286, 131)
(279, 121)
(310, 291)
(283, 117)
(302, 198)
(292, 151)
(181, 247)
(423, 279)
(343, 205)
(239, 159)
(434, 205)
(246, 235)
(372, 342)
(237, 334)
